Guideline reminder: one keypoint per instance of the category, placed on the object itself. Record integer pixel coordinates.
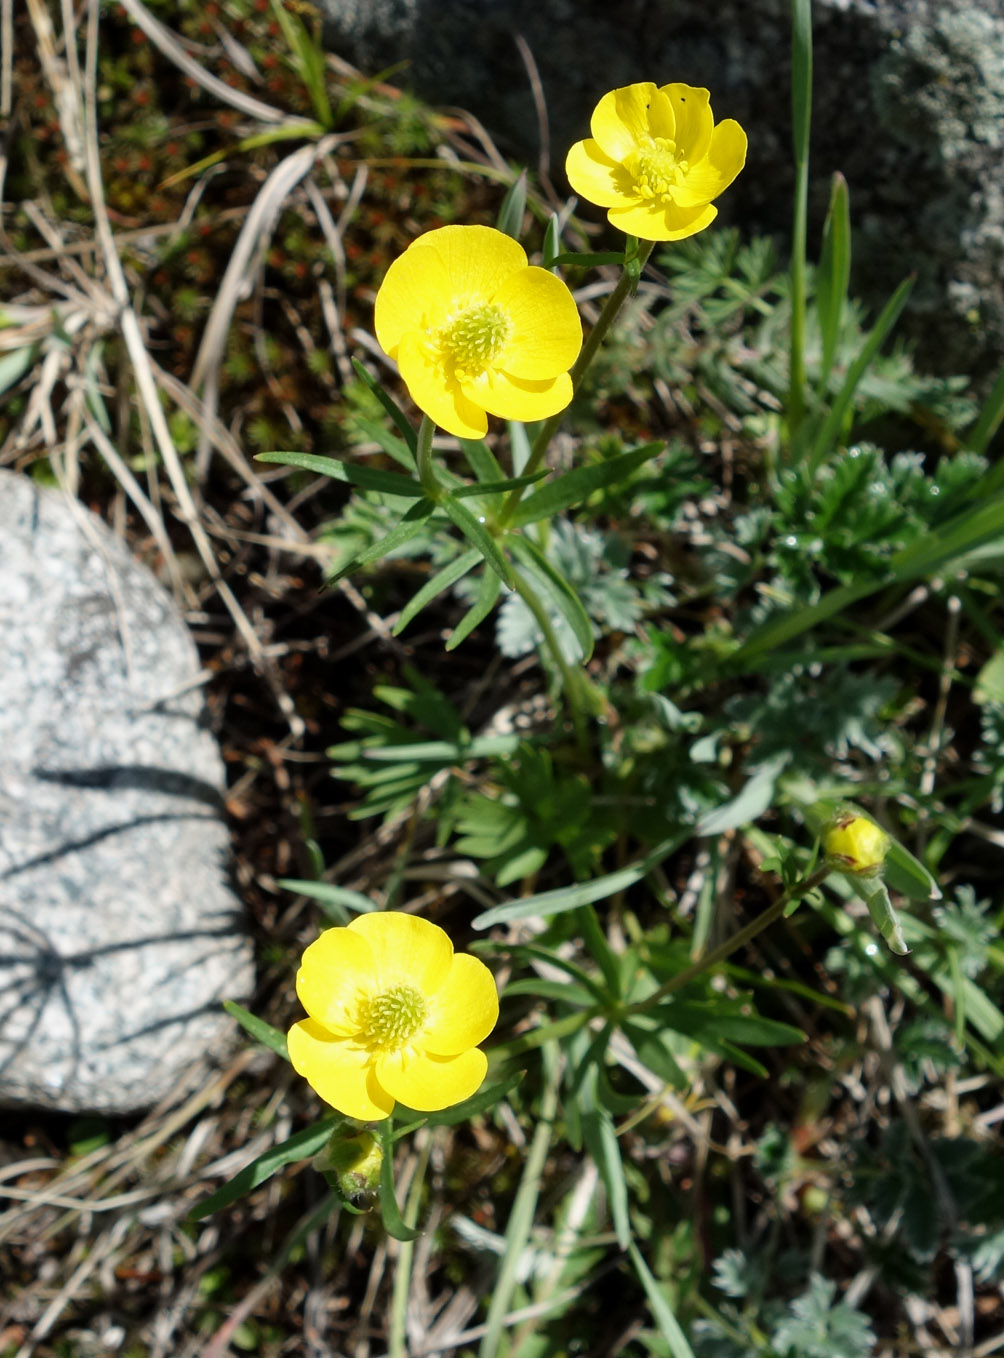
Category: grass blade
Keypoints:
(801, 118)
(834, 274)
(830, 428)
(661, 1310)
(985, 428)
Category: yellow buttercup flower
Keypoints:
(656, 159)
(476, 330)
(856, 843)
(394, 1013)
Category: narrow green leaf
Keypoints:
(559, 591)
(749, 804)
(386, 441)
(488, 593)
(337, 902)
(801, 78)
(445, 751)
(519, 445)
(389, 404)
(908, 876)
(588, 260)
(410, 526)
(833, 274)
(260, 1030)
(830, 429)
(661, 1310)
(393, 1221)
(551, 248)
(983, 431)
(572, 487)
(498, 487)
(600, 1137)
(652, 1047)
(582, 893)
(308, 61)
(478, 536)
(440, 582)
(367, 478)
(875, 894)
(708, 1021)
(600, 950)
(299, 1147)
(940, 546)
(766, 640)
(513, 209)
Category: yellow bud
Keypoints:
(856, 843)
(352, 1166)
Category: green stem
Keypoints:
(571, 681)
(801, 118)
(626, 284)
(397, 1346)
(731, 945)
(426, 466)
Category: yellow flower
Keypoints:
(656, 160)
(474, 329)
(857, 843)
(394, 1013)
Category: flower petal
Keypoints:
(333, 970)
(436, 391)
(406, 948)
(519, 398)
(429, 1083)
(595, 177)
(707, 179)
(661, 221)
(414, 295)
(620, 121)
(465, 1009)
(546, 333)
(339, 1071)
(475, 259)
(693, 117)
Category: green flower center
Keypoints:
(474, 339)
(657, 168)
(389, 1020)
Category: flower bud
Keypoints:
(856, 844)
(351, 1166)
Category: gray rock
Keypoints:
(909, 106)
(119, 932)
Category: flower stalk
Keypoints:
(426, 466)
(738, 940)
(625, 286)
(571, 678)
